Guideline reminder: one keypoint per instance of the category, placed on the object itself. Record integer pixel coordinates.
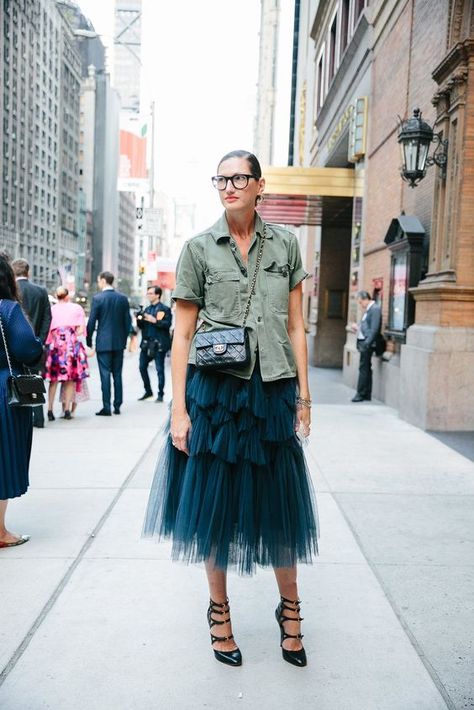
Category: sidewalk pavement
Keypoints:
(94, 617)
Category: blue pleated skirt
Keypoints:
(16, 437)
(244, 496)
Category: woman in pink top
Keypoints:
(66, 360)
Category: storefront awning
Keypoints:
(291, 209)
(293, 195)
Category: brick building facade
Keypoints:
(396, 55)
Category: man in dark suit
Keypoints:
(36, 306)
(155, 323)
(110, 310)
(368, 335)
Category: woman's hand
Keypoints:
(180, 430)
(303, 419)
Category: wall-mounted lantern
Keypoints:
(415, 137)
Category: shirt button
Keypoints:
(259, 319)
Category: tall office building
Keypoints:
(267, 79)
(98, 154)
(70, 87)
(126, 246)
(133, 175)
(30, 59)
(127, 53)
(39, 138)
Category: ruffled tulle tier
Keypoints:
(243, 497)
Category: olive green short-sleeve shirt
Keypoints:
(212, 274)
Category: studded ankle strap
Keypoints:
(222, 609)
(289, 605)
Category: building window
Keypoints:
(320, 83)
(345, 9)
(332, 49)
(359, 6)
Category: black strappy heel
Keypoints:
(297, 658)
(231, 658)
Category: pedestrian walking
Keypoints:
(16, 423)
(155, 323)
(66, 359)
(232, 487)
(110, 312)
(368, 339)
(35, 303)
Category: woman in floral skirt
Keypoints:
(66, 360)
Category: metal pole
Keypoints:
(152, 166)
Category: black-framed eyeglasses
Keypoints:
(239, 181)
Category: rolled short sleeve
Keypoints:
(297, 273)
(189, 277)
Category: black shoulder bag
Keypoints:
(22, 390)
(228, 347)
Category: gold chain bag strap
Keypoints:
(228, 347)
(22, 390)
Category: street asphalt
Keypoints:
(93, 617)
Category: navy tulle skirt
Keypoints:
(243, 497)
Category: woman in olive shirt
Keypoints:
(232, 487)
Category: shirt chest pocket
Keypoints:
(222, 294)
(277, 276)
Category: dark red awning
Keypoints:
(296, 210)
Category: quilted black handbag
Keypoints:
(222, 348)
(228, 347)
(22, 390)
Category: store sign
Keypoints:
(340, 127)
(358, 130)
(132, 172)
(354, 117)
(153, 221)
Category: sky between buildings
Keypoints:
(200, 66)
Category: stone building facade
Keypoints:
(371, 64)
(126, 241)
(31, 67)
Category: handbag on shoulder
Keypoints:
(228, 347)
(25, 390)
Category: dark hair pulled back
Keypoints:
(8, 288)
(252, 160)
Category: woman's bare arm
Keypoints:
(297, 335)
(185, 325)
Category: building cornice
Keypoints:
(458, 56)
(445, 292)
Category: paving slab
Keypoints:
(59, 521)
(25, 587)
(415, 529)
(132, 634)
(438, 610)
